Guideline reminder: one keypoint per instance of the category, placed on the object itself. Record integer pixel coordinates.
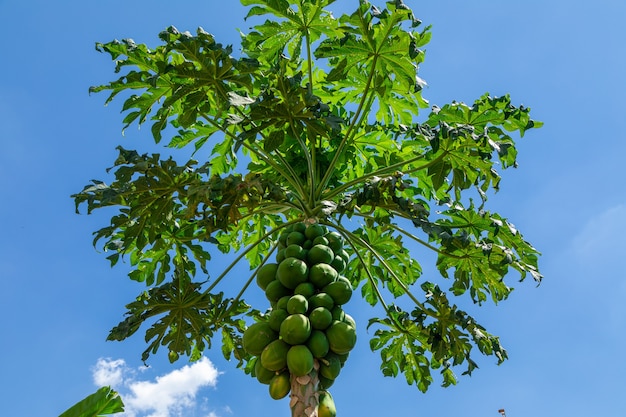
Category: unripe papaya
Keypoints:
(295, 238)
(263, 375)
(274, 356)
(341, 337)
(297, 304)
(306, 288)
(295, 251)
(275, 290)
(318, 344)
(295, 329)
(321, 299)
(257, 336)
(282, 239)
(322, 274)
(280, 386)
(335, 241)
(320, 318)
(276, 317)
(282, 301)
(338, 263)
(320, 240)
(347, 318)
(300, 360)
(291, 272)
(340, 291)
(299, 227)
(326, 406)
(325, 383)
(314, 231)
(266, 274)
(330, 366)
(319, 254)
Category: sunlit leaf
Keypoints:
(101, 403)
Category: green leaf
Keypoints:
(438, 338)
(187, 318)
(298, 22)
(275, 139)
(385, 53)
(101, 403)
(480, 247)
(177, 81)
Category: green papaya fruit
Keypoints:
(326, 406)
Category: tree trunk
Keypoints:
(304, 394)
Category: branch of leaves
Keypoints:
(195, 203)
(192, 316)
(477, 245)
(416, 343)
(188, 319)
(297, 21)
(381, 260)
(186, 78)
(376, 54)
(480, 247)
(283, 112)
(470, 135)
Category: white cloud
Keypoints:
(109, 372)
(167, 396)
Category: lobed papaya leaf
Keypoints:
(377, 56)
(470, 136)
(300, 22)
(283, 112)
(187, 319)
(440, 338)
(388, 245)
(480, 247)
(195, 203)
(186, 79)
(382, 198)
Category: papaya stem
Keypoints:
(304, 401)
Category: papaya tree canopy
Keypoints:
(315, 119)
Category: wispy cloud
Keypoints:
(598, 251)
(601, 242)
(167, 395)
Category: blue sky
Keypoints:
(565, 338)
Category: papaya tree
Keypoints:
(320, 175)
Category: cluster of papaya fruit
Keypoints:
(306, 327)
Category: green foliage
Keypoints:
(188, 320)
(438, 336)
(324, 111)
(101, 403)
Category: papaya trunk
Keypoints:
(304, 394)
